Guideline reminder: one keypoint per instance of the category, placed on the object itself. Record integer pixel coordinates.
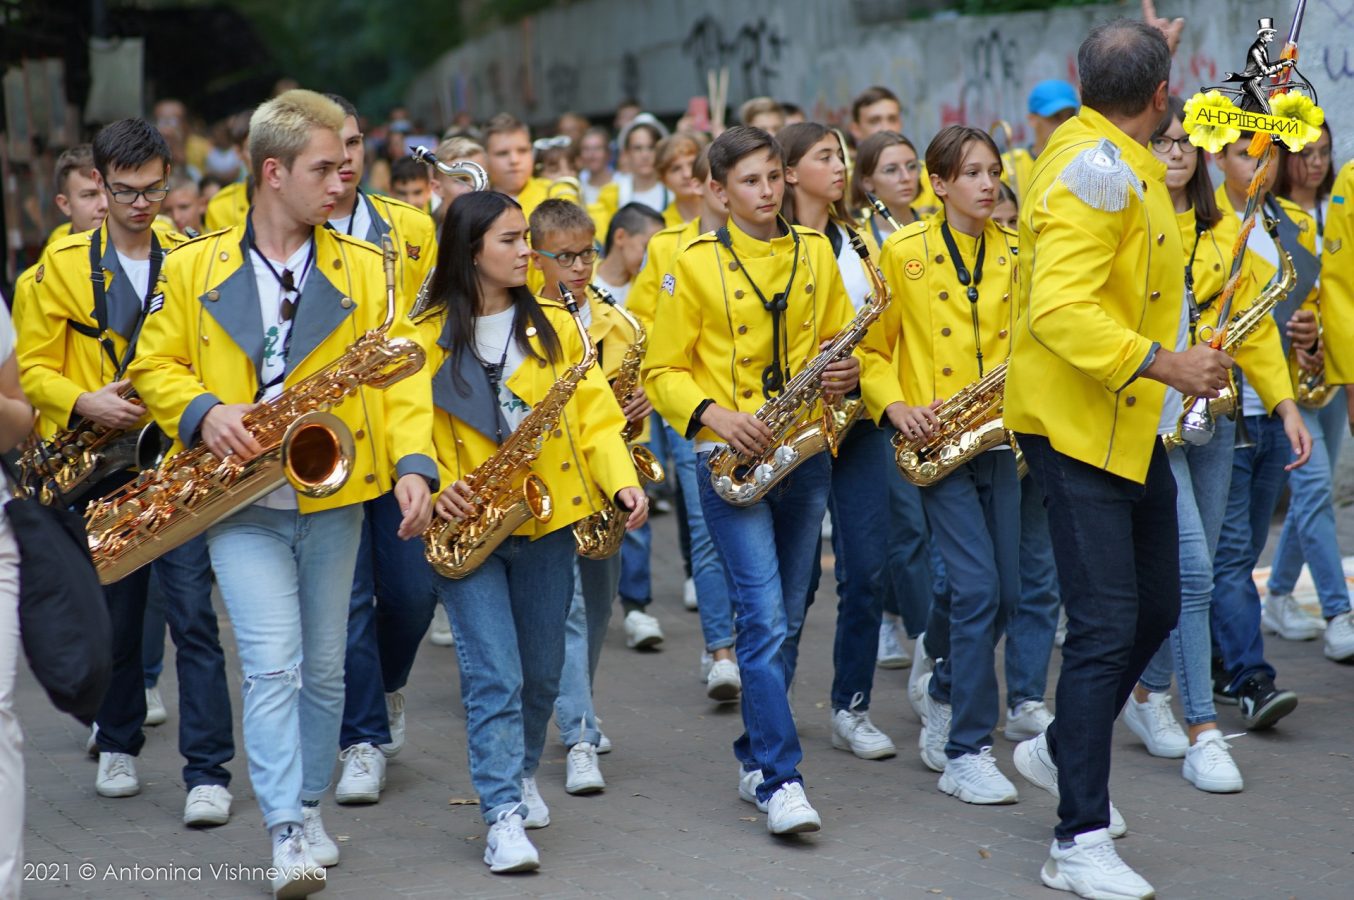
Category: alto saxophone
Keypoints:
(599, 535)
(1310, 389)
(743, 480)
(303, 443)
(1199, 416)
(504, 490)
(970, 424)
(474, 177)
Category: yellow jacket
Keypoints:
(713, 337)
(583, 462)
(928, 329)
(604, 208)
(205, 347)
(1097, 291)
(659, 257)
(162, 224)
(1017, 165)
(414, 236)
(58, 357)
(671, 215)
(613, 337)
(1337, 280)
(228, 207)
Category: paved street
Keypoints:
(670, 822)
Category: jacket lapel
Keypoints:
(461, 388)
(322, 309)
(234, 304)
(120, 298)
(378, 227)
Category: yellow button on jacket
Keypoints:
(1337, 280)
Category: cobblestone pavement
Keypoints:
(670, 823)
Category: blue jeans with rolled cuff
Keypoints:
(585, 630)
(1030, 632)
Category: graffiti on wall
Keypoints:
(990, 84)
(752, 51)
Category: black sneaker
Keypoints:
(1262, 704)
(1222, 695)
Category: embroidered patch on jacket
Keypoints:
(669, 284)
(1331, 246)
(914, 269)
(412, 250)
(155, 303)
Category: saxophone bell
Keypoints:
(1197, 424)
(317, 454)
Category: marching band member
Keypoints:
(78, 194)
(248, 313)
(1337, 284)
(509, 162)
(887, 167)
(877, 109)
(497, 353)
(674, 158)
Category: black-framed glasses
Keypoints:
(568, 258)
(1163, 144)
(152, 195)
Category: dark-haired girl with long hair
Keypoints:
(495, 351)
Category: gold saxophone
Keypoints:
(1199, 414)
(472, 174)
(743, 480)
(970, 424)
(303, 443)
(1310, 389)
(504, 490)
(599, 535)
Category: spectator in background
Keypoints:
(445, 188)
(676, 155)
(187, 151)
(78, 196)
(794, 113)
(875, 109)
(556, 158)
(573, 126)
(764, 113)
(640, 182)
(226, 159)
(594, 163)
(210, 186)
(411, 181)
(185, 204)
(626, 111)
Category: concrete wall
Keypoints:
(588, 55)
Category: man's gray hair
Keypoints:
(1120, 64)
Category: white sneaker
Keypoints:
(439, 632)
(507, 847)
(689, 595)
(642, 631)
(1155, 724)
(1060, 633)
(538, 814)
(1340, 637)
(322, 847)
(1034, 762)
(117, 776)
(723, 683)
(155, 707)
(1091, 867)
(747, 788)
(975, 778)
(395, 716)
(582, 774)
(853, 731)
(788, 811)
(1027, 720)
(1209, 765)
(296, 874)
(922, 665)
(207, 804)
(364, 775)
(892, 654)
(92, 743)
(707, 663)
(603, 742)
(1282, 615)
(935, 730)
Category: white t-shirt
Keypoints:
(656, 198)
(1262, 245)
(494, 342)
(358, 224)
(138, 273)
(617, 292)
(1174, 401)
(275, 332)
(853, 272)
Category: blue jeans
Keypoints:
(509, 619)
(153, 632)
(1309, 528)
(908, 583)
(975, 521)
(390, 604)
(768, 549)
(285, 578)
(1258, 477)
(1202, 476)
(1116, 546)
(584, 632)
(635, 584)
(1029, 634)
(707, 567)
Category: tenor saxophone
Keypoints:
(599, 535)
(796, 432)
(970, 424)
(504, 490)
(303, 444)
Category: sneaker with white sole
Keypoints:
(935, 730)
(723, 684)
(642, 631)
(1155, 725)
(538, 814)
(689, 599)
(1035, 764)
(1284, 616)
(1027, 720)
(707, 663)
(117, 776)
(1091, 868)
(92, 742)
(975, 778)
(322, 847)
(207, 804)
(507, 847)
(603, 742)
(395, 716)
(295, 872)
(155, 707)
(788, 811)
(1209, 765)
(439, 632)
(364, 774)
(747, 788)
(891, 654)
(1340, 638)
(922, 665)
(852, 730)
(582, 775)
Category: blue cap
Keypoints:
(1053, 96)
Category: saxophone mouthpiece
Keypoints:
(568, 297)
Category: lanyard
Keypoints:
(1195, 308)
(968, 280)
(774, 376)
(494, 372)
(157, 256)
(288, 285)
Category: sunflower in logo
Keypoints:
(1293, 105)
(1205, 134)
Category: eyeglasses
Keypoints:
(568, 258)
(1163, 145)
(152, 195)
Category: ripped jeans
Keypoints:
(285, 579)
